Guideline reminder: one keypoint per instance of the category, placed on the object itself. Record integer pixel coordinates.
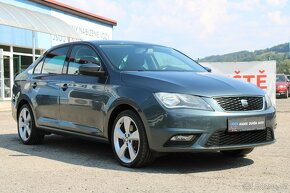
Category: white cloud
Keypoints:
(212, 15)
(276, 18)
(247, 5)
(277, 2)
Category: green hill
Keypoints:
(280, 53)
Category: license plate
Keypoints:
(246, 124)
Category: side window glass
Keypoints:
(54, 61)
(80, 55)
(38, 67)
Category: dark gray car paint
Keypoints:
(81, 103)
(201, 84)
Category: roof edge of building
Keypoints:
(73, 10)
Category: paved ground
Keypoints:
(72, 165)
(5, 106)
(283, 105)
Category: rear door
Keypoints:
(45, 87)
(82, 97)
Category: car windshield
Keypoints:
(280, 78)
(149, 58)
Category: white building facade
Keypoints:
(29, 27)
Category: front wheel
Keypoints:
(238, 152)
(27, 131)
(129, 140)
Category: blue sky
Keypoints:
(198, 28)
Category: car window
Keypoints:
(166, 61)
(149, 58)
(280, 78)
(54, 61)
(38, 67)
(81, 54)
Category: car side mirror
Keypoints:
(91, 69)
(207, 69)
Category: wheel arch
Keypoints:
(22, 101)
(116, 109)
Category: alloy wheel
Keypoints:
(24, 124)
(126, 139)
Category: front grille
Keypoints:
(224, 138)
(235, 103)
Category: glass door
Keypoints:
(11, 64)
(20, 63)
(7, 77)
(1, 75)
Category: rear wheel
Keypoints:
(27, 131)
(129, 141)
(238, 152)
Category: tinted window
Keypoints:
(280, 78)
(81, 54)
(149, 58)
(54, 61)
(38, 67)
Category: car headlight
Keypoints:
(282, 86)
(268, 101)
(175, 100)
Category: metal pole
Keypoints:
(11, 69)
(33, 46)
(19, 63)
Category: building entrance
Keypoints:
(12, 61)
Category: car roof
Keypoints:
(104, 42)
(118, 42)
(109, 42)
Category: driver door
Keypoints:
(82, 97)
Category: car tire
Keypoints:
(28, 133)
(238, 152)
(129, 141)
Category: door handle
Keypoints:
(34, 85)
(64, 87)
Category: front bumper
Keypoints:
(205, 125)
(281, 91)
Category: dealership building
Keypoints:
(29, 27)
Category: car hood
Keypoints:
(201, 84)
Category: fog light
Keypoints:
(183, 138)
